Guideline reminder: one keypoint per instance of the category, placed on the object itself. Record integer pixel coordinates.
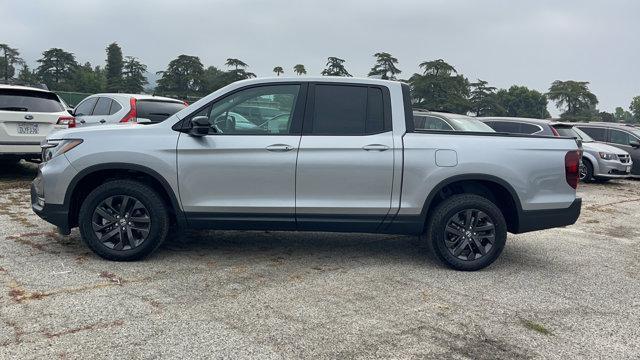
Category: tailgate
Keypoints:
(27, 127)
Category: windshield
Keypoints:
(470, 124)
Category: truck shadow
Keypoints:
(21, 171)
(299, 246)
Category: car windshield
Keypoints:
(470, 124)
(583, 135)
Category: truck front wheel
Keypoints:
(123, 220)
(466, 232)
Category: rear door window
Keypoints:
(529, 128)
(103, 106)
(619, 137)
(598, 134)
(157, 111)
(435, 123)
(347, 110)
(86, 107)
(505, 126)
(29, 101)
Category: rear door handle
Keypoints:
(103, 121)
(375, 147)
(82, 121)
(279, 147)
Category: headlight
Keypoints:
(52, 148)
(608, 156)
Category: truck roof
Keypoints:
(336, 79)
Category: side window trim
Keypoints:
(307, 124)
(296, 120)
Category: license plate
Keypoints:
(28, 129)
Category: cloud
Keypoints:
(505, 42)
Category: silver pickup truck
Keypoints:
(305, 154)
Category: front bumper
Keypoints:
(533, 220)
(613, 169)
(55, 214)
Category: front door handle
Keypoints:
(103, 121)
(375, 147)
(279, 147)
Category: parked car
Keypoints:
(622, 136)
(27, 116)
(600, 161)
(348, 160)
(101, 109)
(430, 120)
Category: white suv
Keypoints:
(101, 109)
(27, 116)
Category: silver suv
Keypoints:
(312, 154)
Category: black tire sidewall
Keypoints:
(589, 168)
(143, 193)
(447, 209)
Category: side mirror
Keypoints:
(199, 126)
(634, 144)
(70, 111)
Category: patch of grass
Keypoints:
(539, 328)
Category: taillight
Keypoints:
(185, 103)
(572, 168)
(69, 121)
(554, 131)
(132, 114)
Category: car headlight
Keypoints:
(608, 156)
(52, 148)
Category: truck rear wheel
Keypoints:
(123, 220)
(466, 232)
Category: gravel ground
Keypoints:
(561, 293)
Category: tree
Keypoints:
(183, 77)
(574, 97)
(278, 70)
(385, 66)
(335, 67)
(300, 69)
(237, 64)
(133, 80)
(10, 58)
(440, 88)
(483, 99)
(520, 101)
(28, 77)
(57, 69)
(239, 71)
(635, 108)
(606, 116)
(114, 68)
(89, 80)
(623, 116)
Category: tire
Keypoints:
(586, 173)
(145, 215)
(442, 243)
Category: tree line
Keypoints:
(437, 86)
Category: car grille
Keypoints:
(624, 158)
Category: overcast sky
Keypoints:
(524, 42)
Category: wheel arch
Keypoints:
(495, 189)
(88, 178)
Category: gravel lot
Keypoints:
(561, 293)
